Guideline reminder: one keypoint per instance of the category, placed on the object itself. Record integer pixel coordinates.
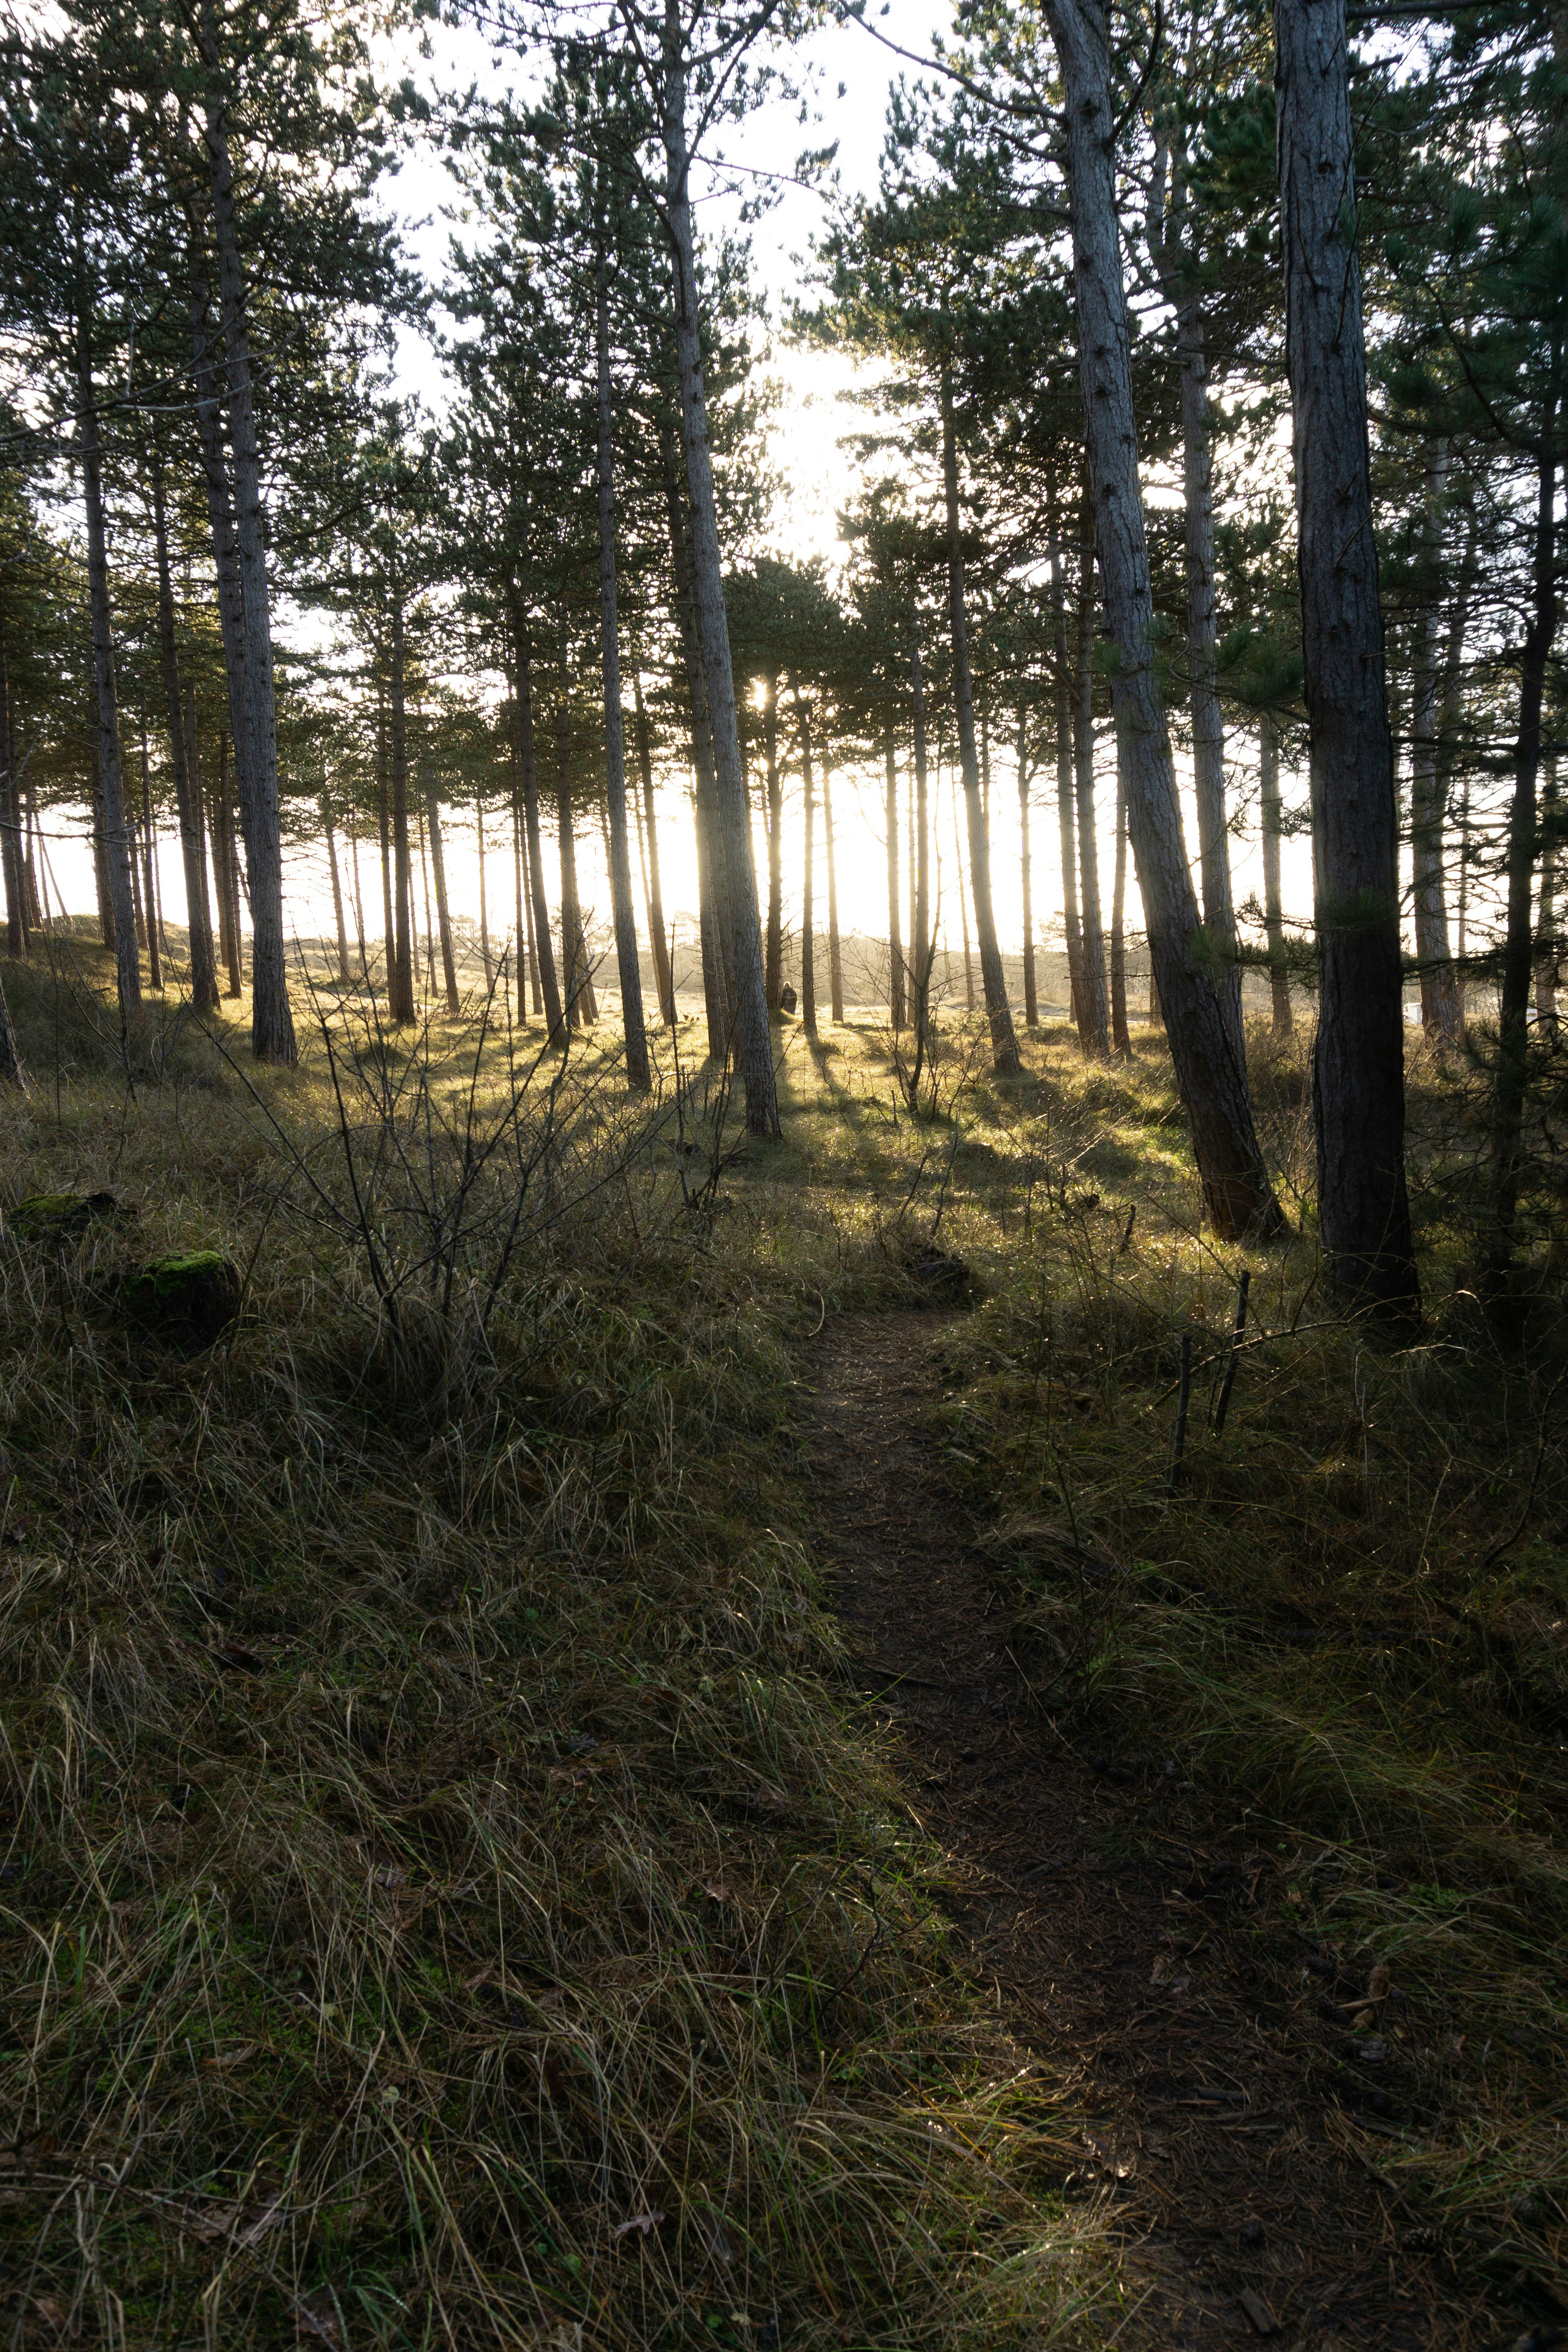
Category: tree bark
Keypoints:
(155, 942)
(224, 884)
(969, 996)
(1358, 1072)
(1439, 1004)
(271, 1020)
(346, 970)
(400, 1009)
(1202, 694)
(1518, 942)
(18, 913)
(1237, 1192)
(628, 961)
(116, 834)
(1095, 1033)
(920, 942)
(1121, 1036)
(896, 1007)
(12, 1073)
(663, 975)
(741, 941)
(1066, 819)
(550, 986)
(485, 957)
(193, 846)
(1547, 954)
(383, 813)
(1273, 914)
(773, 974)
(577, 984)
(442, 910)
(835, 951)
(807, 910)
(1025, 876)
(1004, 1043)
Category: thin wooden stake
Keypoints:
(1223, 1407)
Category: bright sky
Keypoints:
(819, 476)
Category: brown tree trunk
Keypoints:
(1025, 876)
(345, 971)
(1214, 1089)
(969, 996)
(384, 811)
(1439, 1004)
(896, 1013)
(1066, 818)
(807, 938)
(400, 1010)
(271, 1020)
(663, 975)
(577, 985)
(742, 942)
(18, 913)
(1096, 1032)
(222, 861)
(1547, 953)
(550, 986)
(772, 973)
(485, 957)
(835, 954)
(1273, 912)
(920, 942)
(193, 846)
(629, 960)
(1358, 1072)
(1120, 1037)
(442, 910)
(115, 831)
(1004, 1043)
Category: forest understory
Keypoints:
(648, 1747)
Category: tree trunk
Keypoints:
(18, 914)
(157, 945)
(359, 934)
(193, 847)
(1025, 876)
(708, 843)
(628, 961)
(345, 971)
(577, 979)
(12, 1073)
(742, 944)
(1546, 947)
(1096, 1039)
(1439, 1004)
(384, 811)
(1513, 1021)
(1120, 1037)
(1004, 1043)
(1213, 1085)
(115, 831)
(443, 908)
(807, 910)
(663, 975)
(969, 996)
(485, 957)
(224, 888)
(1208, 725)
(1358, 1072)
(550, 986)
(920, 942)
(1066, 818)
(429, 989)
(400, 1009)
(773, 974)
(896, 1013)
(835, 954)
(1273, 914)
(271, 1020)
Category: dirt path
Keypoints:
(1197, 2049)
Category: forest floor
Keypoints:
(1122, 1963)
(595, 1774)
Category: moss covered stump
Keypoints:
(191, 1296)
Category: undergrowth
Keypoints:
(446, 1896)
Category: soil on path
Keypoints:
(1118, 1928)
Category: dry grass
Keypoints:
(445, 1896)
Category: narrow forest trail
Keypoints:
(1195, 2049)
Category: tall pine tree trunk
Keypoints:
(1273, 911)
(1547, 954)
(658, 934)
(225, 884)
(442, 910)
(577, 981)
(1004, 1043)
(807, 909)
(345, 970)
(1121, 1036)
(527, 774)
(486, 959)
(628, 961)
(1358, 1072)
(110, 782)
(742, 942)
(895, 1015)
(1025, 876)
(835, 952)
(383, 813)
(1066, 815)
(193, 846)
(400, 979)
(1439, 1004)
(271, 1020)
(772, 962)
(18, 914)
(1237, 1192)
(1096, 1011)
(920, 942)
